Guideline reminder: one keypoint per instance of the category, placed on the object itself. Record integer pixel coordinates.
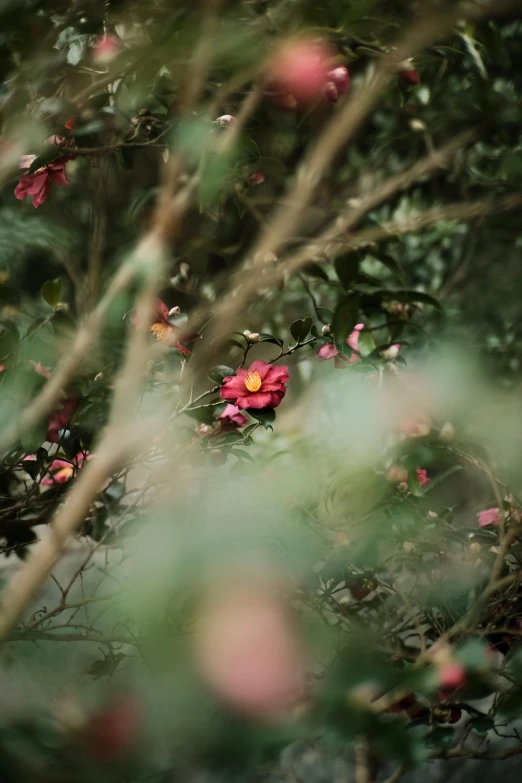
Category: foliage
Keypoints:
(257, 349)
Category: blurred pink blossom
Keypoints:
(490, 516)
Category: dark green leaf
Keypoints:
(52, 291)
(346, 316)
(219, 372)
(125, 158)
(31, 440)
(314, 270)
(300, 329)
(48, 156)
(346, 269)
(265, 415)
(268, 338)
(203, 414)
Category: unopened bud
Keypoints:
(475, 548)
(174, 311)
(61, 307)
(391, 353)
(99, 377)
(418, 126)
(447, 432)
(224, 120)
(247, 334)
(327, 329)
(254, 337)
(408, 547)
(432, 515)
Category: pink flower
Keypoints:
(247, 651)
(300, 68)
(61, 471)
(490, 516)
(353, 342)
(38, 185)
(106, 49)
(261, 386)
(422, 477)
(452, 676)
(232, 418)
(397, 474)
(327, 351)
(164, 331)
(417, 426)
(62, 415)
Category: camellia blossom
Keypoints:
(38, 185)
(261, 386)
(106, 49)
(490, 516)
(232, 418)
(247, 651)
(329, 351)
(300, 68)
(164, 331)
(62, 415)
(417, 426)
(61, 470)
(422, 477)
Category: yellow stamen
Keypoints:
(160, 331)
(253, 381)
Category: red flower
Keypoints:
(410, 75)
(232, 418)
(422, 477)
(164, 331)
(61, 416)
(261, 386)
(61, 471)
(38, 185)
(112, 731)
(300, 68)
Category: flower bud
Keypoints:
(224, 121)
(340, 77)
(475, 548)
(408, 547)
(327, 329)
(254, 337)
(106, 50)
(174, 311)
(247, 334)
(417, 126)
(299, 68)
(391, 353)
(447, 432)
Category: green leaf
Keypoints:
(125, 158)
(203, 414)
(346, 316)
(265, 415)
(300, 329)
(31, 440)
(9, 339)
(346, 269)
(221, 371)
(268, 338)
(314, 270)
(52, 291)
(482, 726)
(248, 430)
(48, 156)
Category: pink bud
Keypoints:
(341, 78)
(410, 75)
(174, 311)
(257, 178)
(396, 474)
(300, 68)
(224, 121)
(422, 477)
(489, 517)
